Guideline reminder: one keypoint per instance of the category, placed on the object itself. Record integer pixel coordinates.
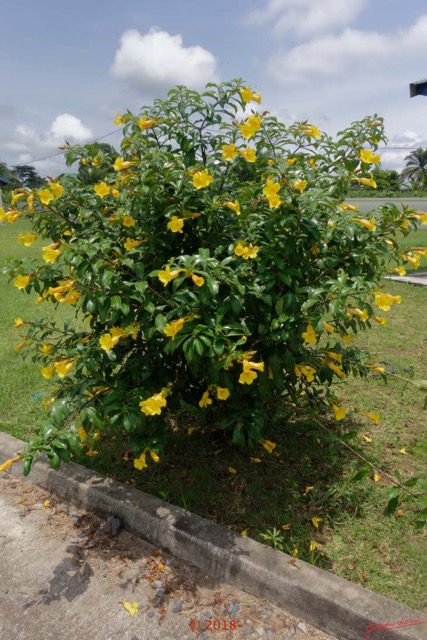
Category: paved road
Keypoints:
(367, 204)
(63, 578)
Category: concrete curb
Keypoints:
(332, 604)
(419, 279)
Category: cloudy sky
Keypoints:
(67, 67)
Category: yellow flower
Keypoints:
(249, 154)
(146, 123)
(118, 120)
(376, 368)
(368, 156)
(302, 370)
(229, 152)
(27, 239)
(336, 369)
(246, 252)
(45, 196)
(300, 185)
(376, 477)
(268, 445)
(313, 546)
(401, 271)
(334, 356)
(174, 327)
(274, 201)
(234, 206)
(175, 224)
(368, 224)
(222, 393)
(368, 182)
(291, 161)
(50, 254)
(340, 412)
(316, 522)
(403, 451)
(202, 179)
(131, 607)
(153, 406)
(286, 527)
(102, 189)
(348, 207)
(166, 275)
(271, 188)
(363, 315)
(57, 189)
(198, 280)
(328, 327)
(30, 203)
(308, 489)
(385, 300)
(106, 342)
(120, 164)
(18, 322)
(63, 367)
(131, 244)
(232, 470)
(309, 335)
(128, 221)
(413, 260)
(21, 346)
(249, 128)
(205, 400)
(247, 377)
(404, 224)
(16, 196)
(21, 281)
(9, 463)
(82, 433)
(47, 372)
(295, 552)
(421, 216)
(46, 348)
(255, 460)
(115, 192)
(375, 417)
(248, 95)
(312, 163)
(366, 438)
(312, 132)
(244, 533)
(348, 338)
(248, 365)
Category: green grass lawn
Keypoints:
(356, 538)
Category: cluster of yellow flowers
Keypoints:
(61, 368)
(222, 393)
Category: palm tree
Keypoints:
(416, 168)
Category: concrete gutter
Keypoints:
(332, 604)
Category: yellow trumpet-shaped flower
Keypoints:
(175, 224)
(229, 152)
(174, 327)
(312, 131)
(375, 417)
(102, 189)
(268, 445)
(27, 239)
(205, 400)
(368, 156)
(271, 188)
(50, 253)
(18, 322)
(9, 463)
(202, 179)
(118, 120)
(120, 164)
(249, 128)
(340, 412)
(57, 189)
(63, 367)
(153, 406)
(246, 252)
(146, 123)
(328, 327)
(222, 393)
(309, 335)
(45, 196)
(47, 372)
(336, 369)
(21, 281)
(305, 370)
(300, 185)
(131, 244)
(16, 196)
(234, 206)
(401, 271)
(363, 315)
(247, 377)
(368, 224)
(249, 96)
(368, 182)
(128, 221)
(166, 275)
(385, 300)
(249, 154)
(198, 280)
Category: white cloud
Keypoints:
(157, 61)
(352, 52)
(307, 17)
(26, 144)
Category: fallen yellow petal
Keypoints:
(131, 607)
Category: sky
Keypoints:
(68, 67)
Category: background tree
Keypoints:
(387, 179)
(98, 165)
(416, 168)
(28, 176)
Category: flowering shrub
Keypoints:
(215, 271)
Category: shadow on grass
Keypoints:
(304, 477)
